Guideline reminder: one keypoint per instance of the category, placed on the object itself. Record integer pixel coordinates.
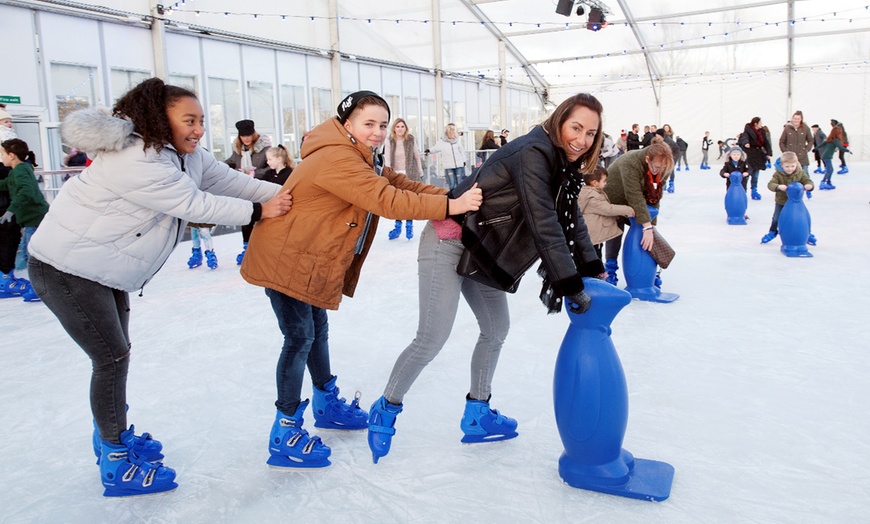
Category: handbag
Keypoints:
(661, 251)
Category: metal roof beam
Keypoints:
(651, 66)
(496, 32)
(655, 18)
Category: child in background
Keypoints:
(705, 150)
(26, 207)
(280, 165)
(831, 145)
(819, 138)
(735, 161)
(600, 215)
(788, 170)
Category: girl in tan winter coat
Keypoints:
(307, 260)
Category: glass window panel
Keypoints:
(224, 111)
(74, 88)
(294, 116)
(412, 117)
(185, 81)
(261, 99)
(123, 80)
(321, 101)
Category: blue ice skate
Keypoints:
(144, 445)
(482, 424)
(768, 237)
(290, 446)
(670, 186)
(811, 240)
(29, 295)
(241, 256)
(843, 170)
(381, 427)
(394, 234)
(409, 230)
(195, 258)
(755, 194)
(332, 412)
(211, 259)
(12, 287)
(610, 266)
(125, 474)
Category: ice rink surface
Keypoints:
(753, 385)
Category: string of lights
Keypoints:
(841, 15)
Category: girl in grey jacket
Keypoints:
(111, 228)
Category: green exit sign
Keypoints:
(4, 99)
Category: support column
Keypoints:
(439, 79)
(502, 90)
(334, 44)
(158, 41)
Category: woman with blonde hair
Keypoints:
(400, 153)
(452, 156)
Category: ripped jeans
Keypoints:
(97, 318)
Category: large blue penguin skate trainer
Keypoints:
(639, 267)
(794, 223)
(591, 403)
(736, 201)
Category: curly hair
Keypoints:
(145, 105)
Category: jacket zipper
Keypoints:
(496, 220)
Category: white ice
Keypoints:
(753, 385)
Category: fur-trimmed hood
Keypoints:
(262, 143)
(96, 130)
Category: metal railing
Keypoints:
(50, 182)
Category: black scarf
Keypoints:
(566, 212)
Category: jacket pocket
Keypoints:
(495, 220)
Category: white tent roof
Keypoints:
(643, 41)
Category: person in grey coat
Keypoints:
(108, 232)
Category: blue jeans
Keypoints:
(97, 318)
(454, 176)
(440, 286)
(753, 176)
(306, 343)
(22, 256)
(774, 223)
(829, 169)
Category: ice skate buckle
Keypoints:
(309, 447)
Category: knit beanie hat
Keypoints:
(735, 148)
(5, 114)
(346, 107)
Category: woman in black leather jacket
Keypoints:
(530, 188)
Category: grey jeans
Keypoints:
(440, 287)
(97, 318)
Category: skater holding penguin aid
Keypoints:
(108, 232)
(310, 257)
(530, 211)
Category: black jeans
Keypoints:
(97, 318)
(10, 237)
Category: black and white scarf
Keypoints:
(566, 212)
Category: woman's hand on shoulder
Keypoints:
(468, 201)
(278, 205)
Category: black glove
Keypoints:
(578, 303)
